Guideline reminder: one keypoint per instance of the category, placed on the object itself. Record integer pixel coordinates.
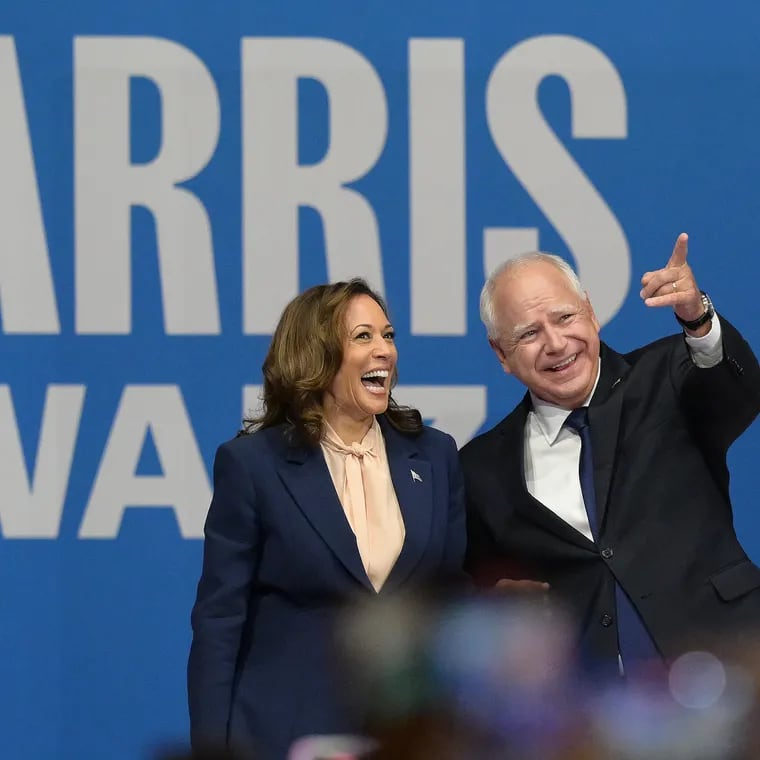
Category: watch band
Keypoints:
(709, 313)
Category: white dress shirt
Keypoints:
(552, 452)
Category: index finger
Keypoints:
(680, 251)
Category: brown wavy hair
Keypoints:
(304, 357)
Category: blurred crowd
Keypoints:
(498, 678)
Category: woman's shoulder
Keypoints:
(427, 438)
(441, 442)
(261, 441)
(436, 435)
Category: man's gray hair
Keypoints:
(487, 310)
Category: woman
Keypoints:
(333, 493)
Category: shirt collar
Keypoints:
(550, 418)
(369, 440)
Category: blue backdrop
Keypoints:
(172, 173)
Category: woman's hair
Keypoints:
(304, 357)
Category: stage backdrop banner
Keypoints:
(172, 173)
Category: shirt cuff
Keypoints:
(707, 351)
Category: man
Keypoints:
(622, 509)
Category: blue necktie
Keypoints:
(634, 641)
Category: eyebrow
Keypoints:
(563, 309)
(368, 326)
(518, 330)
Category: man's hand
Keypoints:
(675, 286)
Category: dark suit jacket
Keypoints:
(660, 430)
(279, 560)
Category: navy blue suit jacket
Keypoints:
(661, 428)
(279, 560)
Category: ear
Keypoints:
(503, 360)
(592, 314)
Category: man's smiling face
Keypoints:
(548, 334)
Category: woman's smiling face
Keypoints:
(361, 387)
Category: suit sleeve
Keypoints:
(485, 562)
(221, 608)
(721, 401)
(479, 544)
(480, 547)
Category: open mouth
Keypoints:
(376, 380)
(564, 364)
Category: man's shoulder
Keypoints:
(481, 445)
(474, 449)
(656, 347)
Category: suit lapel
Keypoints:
(412, 478)
(304, 473)
(512, 467)
(604, 420)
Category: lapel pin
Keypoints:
(415, 476)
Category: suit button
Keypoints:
(607, 553)
(606, 620)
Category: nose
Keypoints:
(383, 349)
(555, 340)
(380, 347)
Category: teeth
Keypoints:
(377, 373)
(569, 360)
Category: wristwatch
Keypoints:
(699, 321)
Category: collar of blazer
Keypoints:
(305, 475)
(604, 418)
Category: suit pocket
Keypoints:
(736, 580)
